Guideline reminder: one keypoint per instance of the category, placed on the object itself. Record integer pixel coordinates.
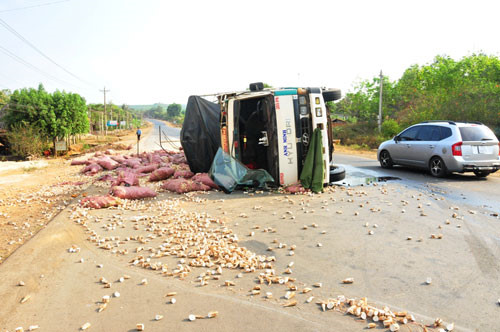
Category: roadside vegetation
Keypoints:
(446, 89)
(123, 116)
(173, 113)
(34, 120)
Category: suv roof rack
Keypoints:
(474, 122)
(450, 122)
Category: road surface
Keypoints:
(152, 141)
(459, 188)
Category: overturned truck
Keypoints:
(286, 132)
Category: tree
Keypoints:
(445, 89)
(4, 97)
(362, 104)
(173, 111)
(55, 115)
(464, 90)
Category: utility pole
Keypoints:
(89, 115)
(102, 122)
(380, 103)
(104, 91)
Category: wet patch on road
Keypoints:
(359, 177)
(361, 181)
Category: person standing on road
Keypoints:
(139, 132)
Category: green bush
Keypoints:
(361, 135)
(25, 141)
(496, 130)
(390, 128)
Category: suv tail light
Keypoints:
(499, 149)
(456, 149)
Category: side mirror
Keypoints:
(397, 138)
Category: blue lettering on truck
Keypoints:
(288, 146)
(285, 148)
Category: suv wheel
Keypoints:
(437, 167)
(385, 159)
(481, 174)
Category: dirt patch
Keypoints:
(29, 199)
(33, 192)
(372, 154)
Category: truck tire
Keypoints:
(332, 95)
(259, 86)
(337, 173)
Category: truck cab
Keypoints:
(271, 129)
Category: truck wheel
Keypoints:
(337, 173)
(331, 94)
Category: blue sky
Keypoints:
(148, 51)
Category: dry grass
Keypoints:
(366, 153)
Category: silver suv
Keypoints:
(443, 147)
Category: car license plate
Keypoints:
(482, 149)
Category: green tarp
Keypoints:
(314, 170)
(228, 173)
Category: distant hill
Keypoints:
(148, 107)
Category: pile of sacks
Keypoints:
(167, 166)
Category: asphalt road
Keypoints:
(169, 131)
(459, 188)
(170, 137)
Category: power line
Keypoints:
(11, 79)
(29, 65)
(18, 35)
(40, 5)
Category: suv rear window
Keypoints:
(477, 133)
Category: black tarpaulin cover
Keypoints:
(200, 134)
